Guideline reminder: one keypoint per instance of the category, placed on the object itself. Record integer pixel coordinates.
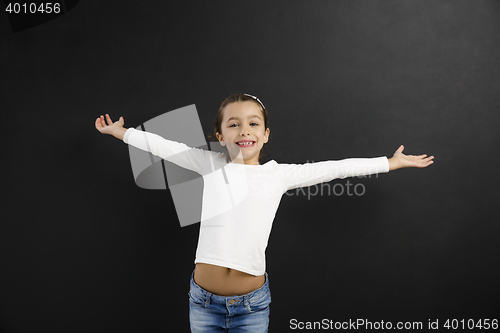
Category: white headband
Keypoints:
(258, 100)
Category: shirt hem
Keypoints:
(229, 265)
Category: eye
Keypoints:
(233, 125)
(254, 124)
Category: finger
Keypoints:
(110, 122)
(421, 157)
(426, 164)
(98, 123)
(103, 123)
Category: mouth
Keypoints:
(245, 144)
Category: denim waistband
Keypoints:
(210, 297)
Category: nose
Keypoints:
(244, 130)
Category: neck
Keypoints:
(240, 160)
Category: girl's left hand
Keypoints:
(400, 160)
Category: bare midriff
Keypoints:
(225, 281)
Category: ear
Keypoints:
(266, 135)
(220, 138)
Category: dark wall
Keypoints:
(83, 249)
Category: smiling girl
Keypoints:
(229, 287)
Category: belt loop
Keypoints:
(245, 301)
(207, 298)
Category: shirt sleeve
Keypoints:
(308, 174)
(194, 159)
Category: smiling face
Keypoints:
(243, 130)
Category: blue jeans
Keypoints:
(214, 313)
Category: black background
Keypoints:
(83, 249)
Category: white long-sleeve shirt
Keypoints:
(240, 201)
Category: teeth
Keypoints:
(245, 143)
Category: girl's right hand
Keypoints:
(111, 128)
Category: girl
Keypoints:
(229, 287)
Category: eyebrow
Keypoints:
(237, 118)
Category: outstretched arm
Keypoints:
(400, 160)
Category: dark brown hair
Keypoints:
(233, 99)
